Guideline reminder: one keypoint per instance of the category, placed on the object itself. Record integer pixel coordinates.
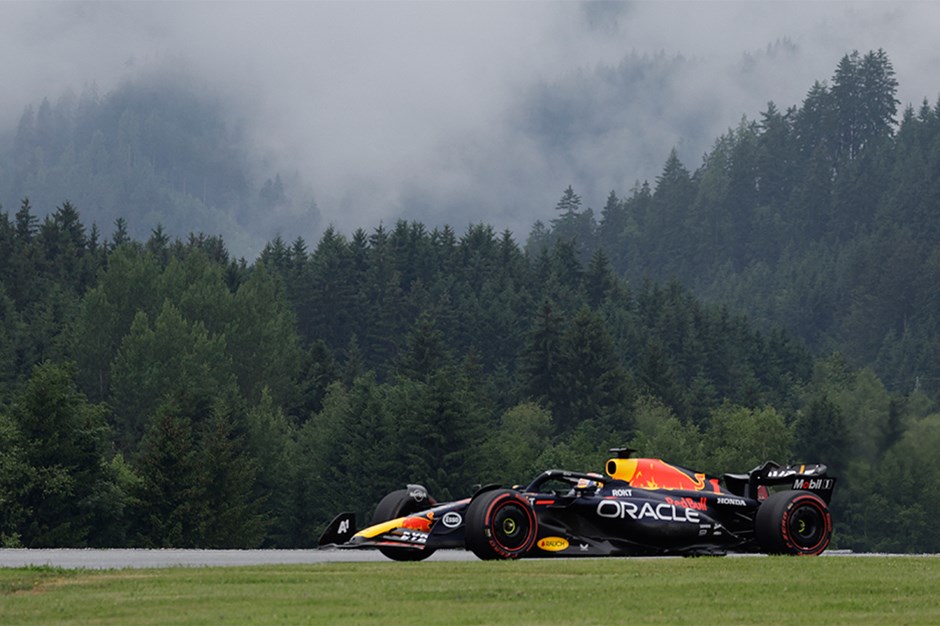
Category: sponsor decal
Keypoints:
(663, 512)
(411, 536)
(418, 494)
(343, 527)
(654, 474)
(621, 493)
(784, 472)
(731, 501)
(452, 519)
(813, 483)
(689, 503)
(791, 470)
(552, 544)
(583, 547)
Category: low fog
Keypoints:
(465, 112)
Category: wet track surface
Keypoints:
(140, 559)
(120, 559)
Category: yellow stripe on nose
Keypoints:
(380, 529)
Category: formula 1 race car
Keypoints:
(642, 506)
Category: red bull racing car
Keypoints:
(641, 506)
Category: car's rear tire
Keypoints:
(397, 504)
(500, 524)
(793, 522)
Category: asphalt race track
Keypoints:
(141, 559)
(138, 559)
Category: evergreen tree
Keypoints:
(594, 384)
(569, 210)
(58, 482)
(574, 225)
(670, 203)
(599, 281)
(821, 435)
(384, 318)
(425, 352)
(270, 442)
(120, 236)
(14, 475)
(863, 91)
(326, 292)
(229, 513)
(541, 358)
(261, 340)
(104, 317)
(172, 357)
(613, 223)
(318, 369)
(880, 101)
(168, 494)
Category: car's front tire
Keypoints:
(397, 504)
(793, 522)
(500, 524)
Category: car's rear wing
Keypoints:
(807, 477)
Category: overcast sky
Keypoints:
(419, 109)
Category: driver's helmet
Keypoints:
(586, 484)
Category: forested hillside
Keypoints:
(153, 151)
(158, 391)
(820, 219)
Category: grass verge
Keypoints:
(772, 590)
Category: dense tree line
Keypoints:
(159, 392)
(820, 219)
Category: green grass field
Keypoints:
(773, 590)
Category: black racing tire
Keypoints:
(793, 522)
(500, 524)
(397, 504)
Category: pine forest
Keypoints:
(778, 301)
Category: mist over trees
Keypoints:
(154, 151)
(158, 391)
(819, 219)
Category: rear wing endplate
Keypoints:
(807, 477)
